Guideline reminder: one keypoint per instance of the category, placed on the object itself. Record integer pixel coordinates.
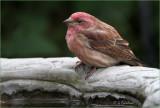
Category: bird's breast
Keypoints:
(87, 55)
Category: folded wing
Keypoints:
(109, 44)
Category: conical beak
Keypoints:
(69, 21)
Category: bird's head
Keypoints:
(80, 21)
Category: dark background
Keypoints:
(35, 29)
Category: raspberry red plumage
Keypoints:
(96, 43)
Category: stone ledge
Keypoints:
(117, 85)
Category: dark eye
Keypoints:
(79, 21)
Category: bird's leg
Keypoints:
(79, 64)
(90, 72)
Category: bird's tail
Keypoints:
(137, 62)
(134, 62)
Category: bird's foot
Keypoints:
(79, 64)
(90, 72)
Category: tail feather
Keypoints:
(137, 62)
(134, 62)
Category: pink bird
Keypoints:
(96, 43)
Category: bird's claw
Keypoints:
(79, 64)
(90, 72)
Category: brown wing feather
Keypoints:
(111, 45)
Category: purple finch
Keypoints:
(96, 43)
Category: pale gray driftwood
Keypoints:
(139, 84)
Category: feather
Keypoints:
(111, 45)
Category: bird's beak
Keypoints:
(69, 22)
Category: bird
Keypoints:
(96, 43)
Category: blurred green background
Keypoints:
(36, 29)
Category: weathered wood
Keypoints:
(140, 84)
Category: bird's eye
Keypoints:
(79, 21)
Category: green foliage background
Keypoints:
(35, 29)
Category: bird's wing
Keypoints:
(109, 44)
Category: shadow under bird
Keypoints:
(96, 43)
